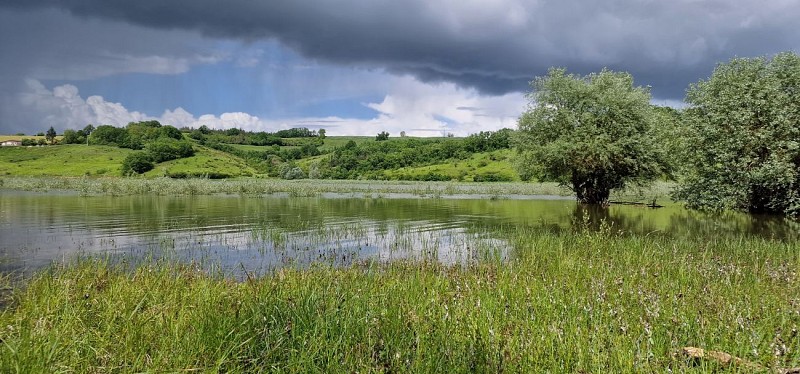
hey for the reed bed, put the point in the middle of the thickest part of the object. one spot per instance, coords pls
(305, 188)
(591, 301)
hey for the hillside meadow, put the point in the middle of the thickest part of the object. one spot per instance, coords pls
(75, 160)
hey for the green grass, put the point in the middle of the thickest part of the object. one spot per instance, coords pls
(479, 164)
(333, 142)
(580, 302)
(62, 160)
(247, 147)
(73, 160)
(206, 162)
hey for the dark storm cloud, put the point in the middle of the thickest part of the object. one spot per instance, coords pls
(495, 46)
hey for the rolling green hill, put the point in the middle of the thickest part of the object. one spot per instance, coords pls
(74, 160)
(481, 167)
(206, 163)
(62, 160)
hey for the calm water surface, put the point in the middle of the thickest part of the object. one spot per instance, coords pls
(258, 234)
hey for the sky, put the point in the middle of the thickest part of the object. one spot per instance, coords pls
(353, 67)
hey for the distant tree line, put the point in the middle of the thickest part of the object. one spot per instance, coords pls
(153, 142)
(261, 138)
(270, 160)
(370, 159)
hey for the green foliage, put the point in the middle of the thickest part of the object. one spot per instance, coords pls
(171, 132)
(205, 163)
(592, 134)
(51, 135)
(137, 163)
(580, 302)
(73, 137)
(107, 135)
(161, 143)
(670, 133)
(239, 136)
(198, 135)
(299, 132)
(491, 177)
(486, 141)
(165, 149)
(744, 137)
(290, 171)
(383, 135)
(372, 159)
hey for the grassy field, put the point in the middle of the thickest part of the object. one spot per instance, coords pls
(75, 160)
(333, 142)
(63, 160)
(497, 163)
(206, 162)
(20, 137)
(247, 147)
(580, 302)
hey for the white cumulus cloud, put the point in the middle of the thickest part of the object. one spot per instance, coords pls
(418, 109)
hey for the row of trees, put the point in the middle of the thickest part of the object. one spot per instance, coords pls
(258, 138)
(737, 145)
(154, 143)
(372, 158)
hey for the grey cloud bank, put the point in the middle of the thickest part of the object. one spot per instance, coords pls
(494, 46)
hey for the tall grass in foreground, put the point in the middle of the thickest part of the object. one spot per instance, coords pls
(588, 302)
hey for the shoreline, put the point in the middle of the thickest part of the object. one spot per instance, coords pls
(581, 302)
(119, 186)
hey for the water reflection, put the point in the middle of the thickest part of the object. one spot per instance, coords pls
(260, 233)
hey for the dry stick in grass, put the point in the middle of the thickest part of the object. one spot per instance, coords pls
(726, 360)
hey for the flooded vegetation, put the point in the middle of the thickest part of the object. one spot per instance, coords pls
(259, 234)
(388, 282)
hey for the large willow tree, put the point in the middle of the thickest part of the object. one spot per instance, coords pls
(590, 133)
(744, 137)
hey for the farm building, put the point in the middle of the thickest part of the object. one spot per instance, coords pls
(11, 143)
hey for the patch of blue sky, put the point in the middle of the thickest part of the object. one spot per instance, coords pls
(263, 79)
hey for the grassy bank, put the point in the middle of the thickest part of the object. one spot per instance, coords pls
(62, 160)
(588, 302)
(307, 187)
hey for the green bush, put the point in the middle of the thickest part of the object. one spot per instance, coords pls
(137, 163)
(289, 171)
(73, 137)
(108, 135)
(165, 149)
(492, 177)
(171, 132)
(744, 137)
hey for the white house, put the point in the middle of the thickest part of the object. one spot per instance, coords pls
(11, 143)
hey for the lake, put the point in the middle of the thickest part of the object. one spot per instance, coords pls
(238, 234)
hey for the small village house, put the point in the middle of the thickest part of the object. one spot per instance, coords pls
(11, 143)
